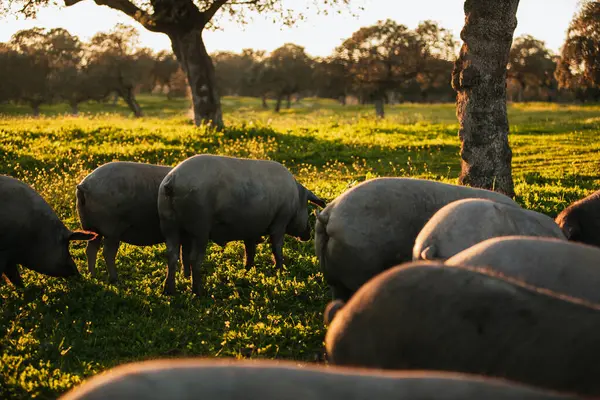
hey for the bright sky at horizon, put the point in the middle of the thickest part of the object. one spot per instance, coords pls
(319, 34)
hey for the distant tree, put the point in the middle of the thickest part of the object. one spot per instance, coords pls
(184, 22)
(178, 86)
(384, 57)
(31, 68)
(145, 62)
(579, 65)
(439, 50)
(288, 70)
(379, 58)
(531, 64)
(331, 79)
(433, 80)
(70, 77)
(479, 77)
(165, 66)
(119, 64)
(231, 70)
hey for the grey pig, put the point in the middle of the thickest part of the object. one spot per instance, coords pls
(225, 198)
(118, 201)
(431, 316)
(464, 223)
(561, 266)
(581, 220)
(32, 235)
(373, 226)
(187, 379)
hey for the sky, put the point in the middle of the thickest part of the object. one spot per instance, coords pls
(546, 20)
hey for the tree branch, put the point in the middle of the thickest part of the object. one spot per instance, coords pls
(212, 10)
(128, 8)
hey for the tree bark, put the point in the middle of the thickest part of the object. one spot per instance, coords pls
(479, 77)
(35, 107)
(115, 99)
(74, 108)
(278, 103)
(289, 101)
(264, 102)
(129, 97)
(189, 49)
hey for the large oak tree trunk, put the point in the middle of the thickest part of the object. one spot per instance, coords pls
(278, 103)
(189, 49)
(479, 77)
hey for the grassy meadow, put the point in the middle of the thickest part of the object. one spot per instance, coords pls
(57, 332)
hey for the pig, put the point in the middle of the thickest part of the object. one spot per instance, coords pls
(206, 379)
(373, 226)
(219, 198)
(464, 223)
(431, 316)
(581, 220)
(32, 235)
(118, 201)
(561, 266)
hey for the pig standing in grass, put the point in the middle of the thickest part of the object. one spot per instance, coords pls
(268, 380)
(581, 220)
(464, 223)
(558, 265)
(118, 201)
(373, 226)
(224, 199)
(32, 235)
(431, 316)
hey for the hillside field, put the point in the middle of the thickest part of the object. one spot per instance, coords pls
(57, 332)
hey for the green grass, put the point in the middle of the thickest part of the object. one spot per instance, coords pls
(57, 332)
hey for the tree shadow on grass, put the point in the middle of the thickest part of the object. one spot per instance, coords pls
(292, 149)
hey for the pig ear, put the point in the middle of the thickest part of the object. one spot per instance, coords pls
(311, 197)
(82, 235)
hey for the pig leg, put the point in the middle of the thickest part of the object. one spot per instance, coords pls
(339, 292)
(185, 255)
(277, 249)
(12, 274)
(173, 249)
(91, 252)
(111, 247)
(197, 258)
(250, 246)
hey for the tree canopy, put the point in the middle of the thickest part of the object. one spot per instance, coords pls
(579, 65)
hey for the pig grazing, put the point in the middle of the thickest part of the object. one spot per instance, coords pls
(224, 199)
(373, 226)
(581, 220)
(267, 380)
(430, 316)
(32, 235)
(565, 267)
(464, 223)
(118, 201)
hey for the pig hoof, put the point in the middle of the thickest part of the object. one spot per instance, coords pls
(168, 292)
